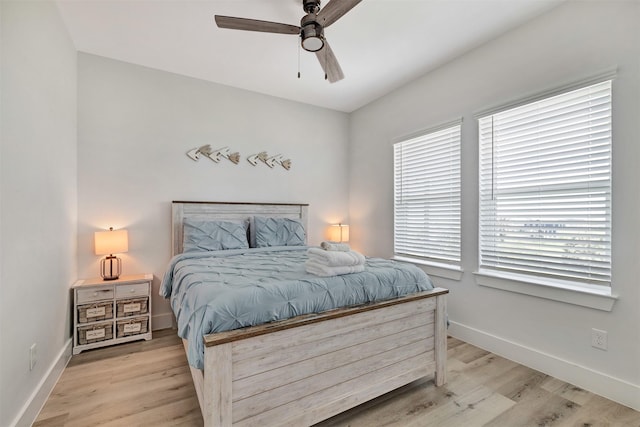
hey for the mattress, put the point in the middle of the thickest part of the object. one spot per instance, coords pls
(215, 291)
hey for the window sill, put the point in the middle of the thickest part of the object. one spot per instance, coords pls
(596, 297)
(446, 271)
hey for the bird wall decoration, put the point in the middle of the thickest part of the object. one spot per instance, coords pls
(269, 161)
(253, 159)
(214, 155)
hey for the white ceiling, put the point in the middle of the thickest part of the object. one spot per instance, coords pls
(380, 44)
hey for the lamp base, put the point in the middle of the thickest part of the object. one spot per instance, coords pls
(110, 268)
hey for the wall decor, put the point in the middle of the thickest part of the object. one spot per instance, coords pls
(286, 163)
(269, 161)
(253, 159)
(214, 155)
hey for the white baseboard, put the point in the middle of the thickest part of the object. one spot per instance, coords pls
(162, 321)
(29, 412)
(612, 388)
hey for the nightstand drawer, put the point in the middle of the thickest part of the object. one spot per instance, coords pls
(96, 294)
(132, 307)
(95, 312)
(135, 326)
(134, 290)
(95, 333)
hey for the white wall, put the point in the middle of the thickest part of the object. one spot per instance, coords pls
(574, 41)
(39, 198)
(135, 126)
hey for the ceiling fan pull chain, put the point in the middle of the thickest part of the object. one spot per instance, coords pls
(326, 64)
(298, 43)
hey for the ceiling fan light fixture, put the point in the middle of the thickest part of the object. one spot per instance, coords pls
(312, 36)
(312, 44)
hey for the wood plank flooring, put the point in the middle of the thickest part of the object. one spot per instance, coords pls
(148, 383)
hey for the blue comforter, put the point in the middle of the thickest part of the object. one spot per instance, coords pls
(223, 290)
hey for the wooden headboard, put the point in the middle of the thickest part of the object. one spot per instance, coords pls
(229, 211)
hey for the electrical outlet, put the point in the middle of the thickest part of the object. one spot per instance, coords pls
(599, 339)
(33, 356)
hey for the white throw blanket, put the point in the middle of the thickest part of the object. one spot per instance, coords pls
(330, 246)
(335, 258)
(325, 271)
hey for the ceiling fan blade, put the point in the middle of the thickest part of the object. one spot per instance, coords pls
(329, 63)
(233, 23)
(334, 10)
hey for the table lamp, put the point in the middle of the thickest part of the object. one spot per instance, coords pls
(339, 233)
(109, 243)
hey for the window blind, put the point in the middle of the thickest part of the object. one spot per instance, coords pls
(545, 187)
(427, 196)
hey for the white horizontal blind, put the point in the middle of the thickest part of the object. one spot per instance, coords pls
(545, 187)
(427, 196)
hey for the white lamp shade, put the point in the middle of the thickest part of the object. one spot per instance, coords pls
(111, 242)
(339, 233)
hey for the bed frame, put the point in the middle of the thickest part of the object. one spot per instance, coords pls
(300, 371)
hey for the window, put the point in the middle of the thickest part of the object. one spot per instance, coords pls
(427, 196)
(545, 187)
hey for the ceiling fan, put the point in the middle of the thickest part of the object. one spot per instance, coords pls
(311, 30)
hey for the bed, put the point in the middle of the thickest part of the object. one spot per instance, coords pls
(307, 367)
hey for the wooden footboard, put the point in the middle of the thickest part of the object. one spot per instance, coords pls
(306, 369)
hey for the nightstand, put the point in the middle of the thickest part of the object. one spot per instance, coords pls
(111, 312)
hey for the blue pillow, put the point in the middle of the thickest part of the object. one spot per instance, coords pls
(201, 235)
(278, 232)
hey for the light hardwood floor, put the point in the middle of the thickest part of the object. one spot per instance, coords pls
(148, 384)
